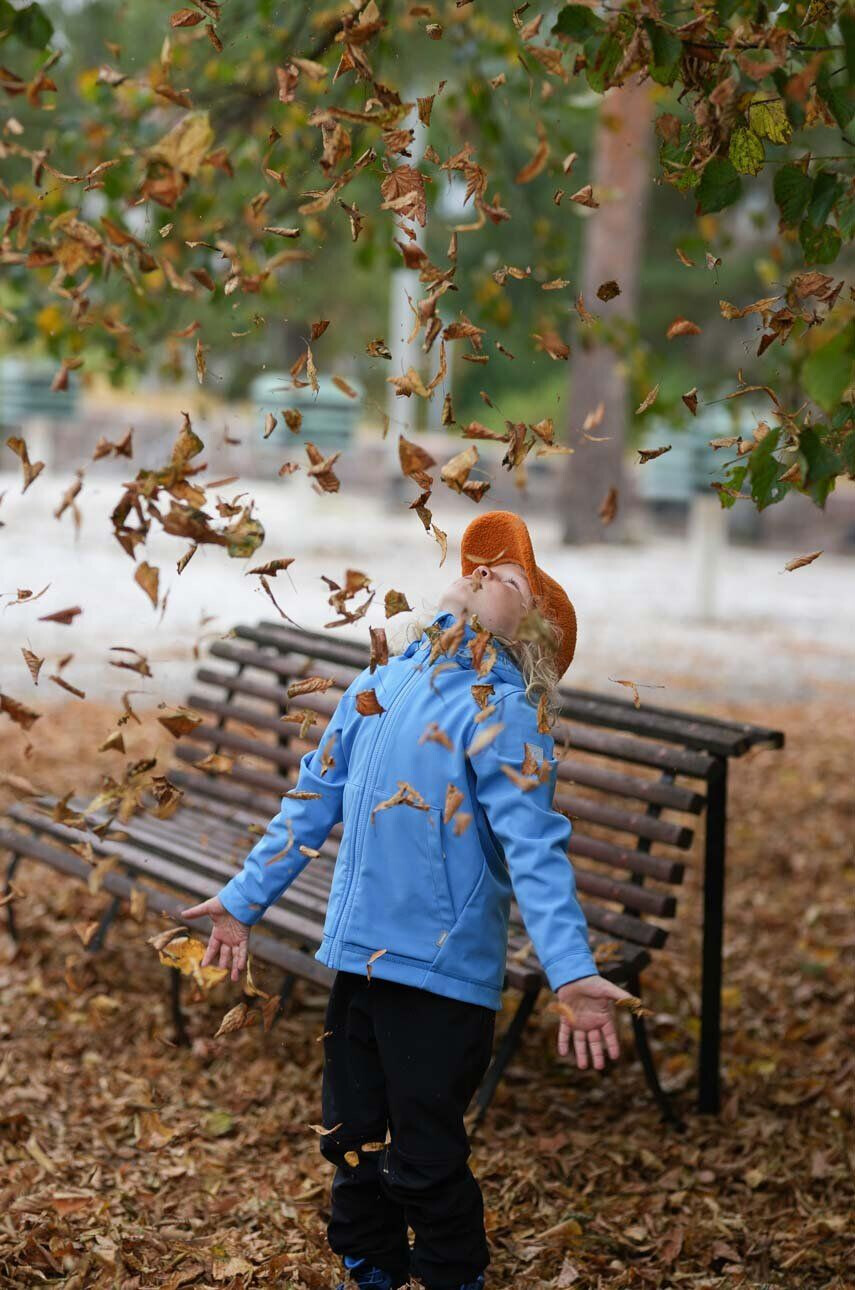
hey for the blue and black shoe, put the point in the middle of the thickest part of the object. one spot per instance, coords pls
(363, 1273)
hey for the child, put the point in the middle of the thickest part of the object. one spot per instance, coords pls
(444, 780)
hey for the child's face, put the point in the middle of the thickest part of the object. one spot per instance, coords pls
(499, 594)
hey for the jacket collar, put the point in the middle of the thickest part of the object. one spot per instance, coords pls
(504, 666)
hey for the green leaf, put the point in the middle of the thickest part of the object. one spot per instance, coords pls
(820, 245)
(215, 1124)
(746, 151)
(603, 57)
(764, 469)
(791, 187)
(846, 216)
(687, 179)
(846, 412)
(846, 22)
(836, 94)
(245, 537)
(726, 8)
(733, 479)
(720, 186)
(667, 52)
(578, 22)
(826, 189)
(32, 26)
(767, 116)
(829, 371)
(822, 463)
(843, 422)
(795, 110)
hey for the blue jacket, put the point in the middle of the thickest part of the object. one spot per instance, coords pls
(434, 895)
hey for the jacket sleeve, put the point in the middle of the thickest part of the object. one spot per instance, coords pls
(276, 860)
(534, 838)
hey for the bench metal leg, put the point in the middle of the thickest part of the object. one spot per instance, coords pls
(10, 916)
(182, 1037)
(709, 1057)
(645, 1056)
(507, 1047)
(286, 992)
(106, 919)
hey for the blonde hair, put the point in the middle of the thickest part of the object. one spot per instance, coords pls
(535, 658)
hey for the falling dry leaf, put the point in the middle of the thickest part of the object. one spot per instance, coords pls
(648, 400)
(801, 560)
(682, 327)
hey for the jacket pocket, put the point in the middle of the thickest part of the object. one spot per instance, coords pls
(439, 864)
(400, 897)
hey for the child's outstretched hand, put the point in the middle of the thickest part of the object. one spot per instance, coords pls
(589, 1012)
(229, 937)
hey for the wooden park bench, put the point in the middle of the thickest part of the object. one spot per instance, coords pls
(622, 772)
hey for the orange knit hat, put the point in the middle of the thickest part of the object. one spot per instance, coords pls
(497, 537)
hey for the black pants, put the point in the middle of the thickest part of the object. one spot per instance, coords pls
(410, 1060)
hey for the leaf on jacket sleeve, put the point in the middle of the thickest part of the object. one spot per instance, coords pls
(523, 782)
(367, 703)
(374, 956)
(481, 694)
(279, 854)
(485, 737)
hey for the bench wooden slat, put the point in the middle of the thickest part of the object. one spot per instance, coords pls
(290, 667)
(214, 788)
(677, 797)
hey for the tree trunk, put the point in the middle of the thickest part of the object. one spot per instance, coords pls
(612, 250)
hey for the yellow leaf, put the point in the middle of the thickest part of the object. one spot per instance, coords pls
(767, 117)
(187, 144)
(186, 954)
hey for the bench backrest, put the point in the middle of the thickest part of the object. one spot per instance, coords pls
(617, 777)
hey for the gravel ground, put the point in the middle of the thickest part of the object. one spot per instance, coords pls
(775, 636)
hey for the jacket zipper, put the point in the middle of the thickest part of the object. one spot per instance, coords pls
(380, 741)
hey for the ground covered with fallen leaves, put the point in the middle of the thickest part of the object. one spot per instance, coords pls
(127, 1161)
